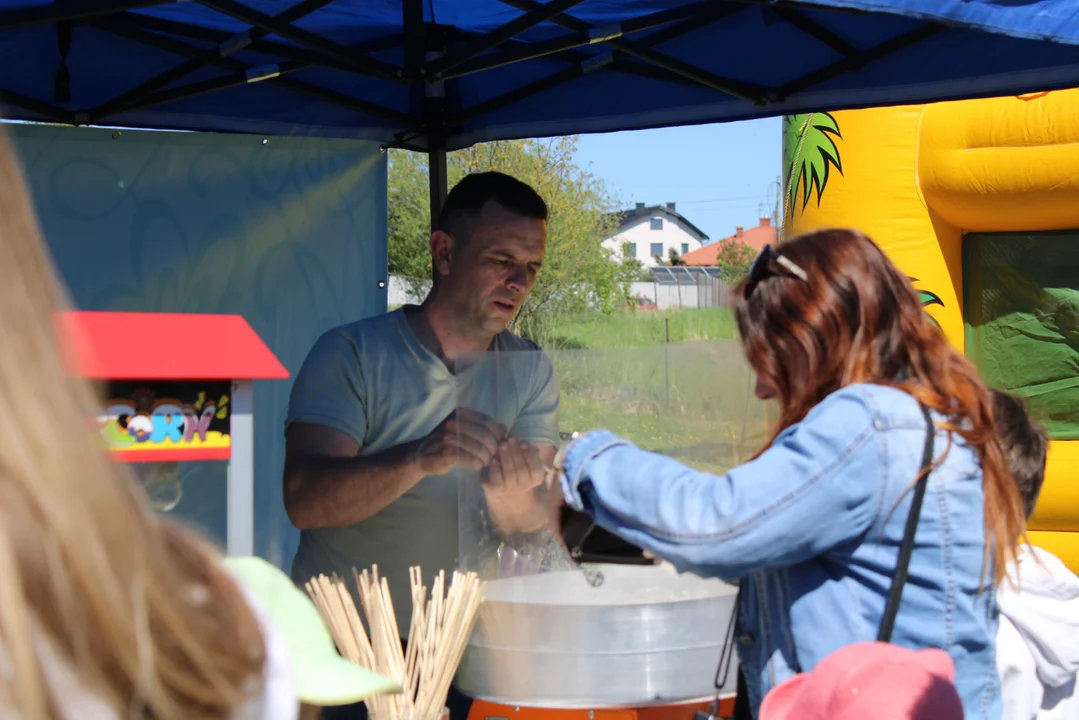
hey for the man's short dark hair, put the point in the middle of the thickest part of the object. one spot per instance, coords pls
(1025, 443)
(468, 197)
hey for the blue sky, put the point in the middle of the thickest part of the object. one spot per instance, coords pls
(720, 175)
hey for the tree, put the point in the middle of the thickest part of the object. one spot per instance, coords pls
(409, 216)
(675, 260)
(578, 273)
(734, 258)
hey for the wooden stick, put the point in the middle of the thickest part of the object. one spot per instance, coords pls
(449, 628)
(396, 656)
(363, 644)
(459, 644)
(469, 595)
(340, 599)
(333, 616)
(370, 609)
(424, 642)
(440, 627)
(415, 639)
(434, 630)
(460, 612)
(385, 706)
(430, 642)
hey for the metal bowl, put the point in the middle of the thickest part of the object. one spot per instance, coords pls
(646, 636)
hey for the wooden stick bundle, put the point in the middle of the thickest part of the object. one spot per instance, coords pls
(438, 635)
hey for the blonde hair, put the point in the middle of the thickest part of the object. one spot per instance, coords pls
(137, 607)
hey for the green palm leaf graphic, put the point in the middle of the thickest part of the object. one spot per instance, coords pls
(927, 298)
(810, 151)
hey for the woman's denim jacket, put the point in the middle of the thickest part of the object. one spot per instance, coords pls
(811, 529)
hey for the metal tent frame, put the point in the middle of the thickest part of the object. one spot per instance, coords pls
(557, 42)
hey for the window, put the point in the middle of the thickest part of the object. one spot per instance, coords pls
(657, 250)
(630, 250)
(657, 223)
(1021, 303)
(685, 248)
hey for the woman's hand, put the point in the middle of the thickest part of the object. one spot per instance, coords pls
(510, 484)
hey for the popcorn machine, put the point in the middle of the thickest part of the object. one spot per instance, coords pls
(178, 388)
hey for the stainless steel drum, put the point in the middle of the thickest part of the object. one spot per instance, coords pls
(646, 636)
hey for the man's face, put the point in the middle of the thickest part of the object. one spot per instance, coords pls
(488, 279)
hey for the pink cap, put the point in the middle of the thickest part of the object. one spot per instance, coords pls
(870, 680)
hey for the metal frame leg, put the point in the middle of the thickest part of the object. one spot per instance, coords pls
(240, 532)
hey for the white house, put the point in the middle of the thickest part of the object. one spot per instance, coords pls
(651, 232)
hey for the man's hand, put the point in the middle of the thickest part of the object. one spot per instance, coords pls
(465, 437)
(511, 486)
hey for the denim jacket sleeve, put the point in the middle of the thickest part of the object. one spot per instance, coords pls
(816, 487)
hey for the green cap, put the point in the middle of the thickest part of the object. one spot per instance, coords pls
(322, 676)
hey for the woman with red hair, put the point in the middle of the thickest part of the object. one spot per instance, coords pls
(885, 466)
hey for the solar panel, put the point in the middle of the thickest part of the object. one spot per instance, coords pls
(663, 276)
(681, 275)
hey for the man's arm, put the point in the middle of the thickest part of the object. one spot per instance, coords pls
(327, 485)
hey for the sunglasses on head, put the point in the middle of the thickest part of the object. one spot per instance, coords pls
(770, 263)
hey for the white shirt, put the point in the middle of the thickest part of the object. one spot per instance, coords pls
(1038, 639)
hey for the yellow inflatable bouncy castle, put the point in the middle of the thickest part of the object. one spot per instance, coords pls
(978, 202)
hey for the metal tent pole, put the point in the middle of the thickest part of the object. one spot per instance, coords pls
(434, 104)
(424, 46)
(437, 170)
(240, 531)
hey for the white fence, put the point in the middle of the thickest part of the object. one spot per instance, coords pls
(698, 292)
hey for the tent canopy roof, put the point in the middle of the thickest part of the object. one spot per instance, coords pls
(449, 73)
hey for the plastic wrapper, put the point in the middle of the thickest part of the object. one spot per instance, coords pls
(506, 510)
(691, 401)
(644, 634)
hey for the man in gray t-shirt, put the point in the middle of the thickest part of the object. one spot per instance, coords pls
(390, 415)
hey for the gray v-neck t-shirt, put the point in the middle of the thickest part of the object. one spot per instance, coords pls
(376, 382)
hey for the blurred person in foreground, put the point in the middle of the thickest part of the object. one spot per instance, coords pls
(1038, 639)
(109, 611)
(812, 526)
(390, 416)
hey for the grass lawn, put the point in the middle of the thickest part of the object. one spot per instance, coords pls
(690, 399)
(642, 328)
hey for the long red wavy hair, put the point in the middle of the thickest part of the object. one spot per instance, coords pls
(857, 319)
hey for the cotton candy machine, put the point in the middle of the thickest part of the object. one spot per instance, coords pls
(645, 636)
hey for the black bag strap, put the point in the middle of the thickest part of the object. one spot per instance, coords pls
(906, 549)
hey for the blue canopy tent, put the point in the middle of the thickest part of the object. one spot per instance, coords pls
(437, 75)
(432, 75)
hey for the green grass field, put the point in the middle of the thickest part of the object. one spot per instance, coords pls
(639, 329)
(690, 399)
